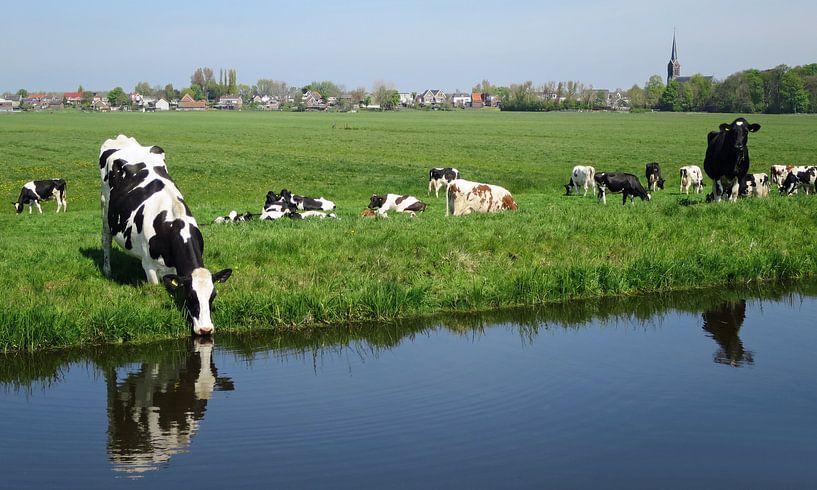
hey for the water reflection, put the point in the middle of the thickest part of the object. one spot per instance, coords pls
(155, 408)
(723, 324)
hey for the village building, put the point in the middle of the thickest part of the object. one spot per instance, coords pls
(188, 103)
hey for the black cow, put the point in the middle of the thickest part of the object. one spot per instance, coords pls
(439, 177)
(41, 190)
(654, 178)
(727, 157)
(616, 182)
(805, 179)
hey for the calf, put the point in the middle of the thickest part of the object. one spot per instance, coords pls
(466, 197)
(233, 217)
(616, 182)
(302, 203)
(41, 190)
(582, 176)
(396, 202)
(691, 175)
(797, 179)
(439, 177)
(778, 174)
(754, 185)
(654, 179)
(145, 213)
(727, 156)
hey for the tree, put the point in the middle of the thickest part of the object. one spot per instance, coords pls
(793, 93)
(382, 94)
(143, 88)
(170, 93)
(669, 100)
(637, 97)
(358, 95)
(22, 93)
(653, 90)
(118, 98)
(697, 93)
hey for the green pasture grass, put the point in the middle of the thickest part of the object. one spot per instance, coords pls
(291, 274)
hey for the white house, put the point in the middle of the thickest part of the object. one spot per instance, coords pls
(162, 105)
(406, 99)
(461, 100)
(431, 97)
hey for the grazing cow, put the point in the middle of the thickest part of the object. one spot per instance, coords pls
(439, 177)
(41, 190)
(302, 203)
(691, 175)
(799, 179)
(582, 176)
(396, 202)
(727, 156)
(654, 179)
(466, 197)
(754, 185)
(144, 211)
(616, 182)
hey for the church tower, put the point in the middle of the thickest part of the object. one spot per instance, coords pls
(674, 66)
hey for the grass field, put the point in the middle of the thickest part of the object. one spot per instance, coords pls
(297, 274)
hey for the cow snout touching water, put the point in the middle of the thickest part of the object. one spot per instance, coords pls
(145, 213)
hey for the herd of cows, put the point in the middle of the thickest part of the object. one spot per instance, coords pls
(145, 213)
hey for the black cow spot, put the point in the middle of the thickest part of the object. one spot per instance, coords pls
(103, 158)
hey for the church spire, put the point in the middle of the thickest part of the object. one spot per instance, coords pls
(674, 66)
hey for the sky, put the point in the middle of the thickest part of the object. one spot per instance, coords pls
(414, 45)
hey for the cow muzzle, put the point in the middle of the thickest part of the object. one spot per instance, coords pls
(203, 330)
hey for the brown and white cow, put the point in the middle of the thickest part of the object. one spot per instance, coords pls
(465, 197)
(691, 175)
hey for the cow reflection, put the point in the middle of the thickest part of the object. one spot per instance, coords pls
(154, 409)
(723, 323)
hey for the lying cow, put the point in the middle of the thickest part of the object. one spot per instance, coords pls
(302, 203)
(276, 207)
(754, 185)
(440, 177)
(727, 157)
(615, 182)
(396, 202)
(582, 176)
(465, 197)
(41, 190)
(233, 217)
(805, 179)
(654, 179)
(144, 211)
(691, 175)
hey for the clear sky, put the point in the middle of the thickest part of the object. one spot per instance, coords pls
(56, 45)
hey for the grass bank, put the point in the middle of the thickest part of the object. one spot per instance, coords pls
(304, 274)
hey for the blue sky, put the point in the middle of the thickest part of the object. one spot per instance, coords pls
(414, 45)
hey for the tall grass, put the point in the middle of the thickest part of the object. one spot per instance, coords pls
(303, 274)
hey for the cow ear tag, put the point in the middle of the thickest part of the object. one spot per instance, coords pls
(174, 283)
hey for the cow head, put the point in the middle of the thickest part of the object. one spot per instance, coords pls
(199, 292)
(737, 133)
(660, 183)
(18, 206)
(377, 201)
(568, 187)
(271, 198)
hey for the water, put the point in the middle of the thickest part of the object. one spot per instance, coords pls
(697, 390)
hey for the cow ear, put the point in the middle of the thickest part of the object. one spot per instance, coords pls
(725, 127)
(222, 275)
(754, 128)
(172, 281)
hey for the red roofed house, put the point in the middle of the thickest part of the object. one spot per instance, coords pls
(476, 100)
(73, 98)
(188, 103)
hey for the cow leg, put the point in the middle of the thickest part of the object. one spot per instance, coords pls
(106, 250)
(151, 272)
(39, 208)
(735, 189)
(430, 185)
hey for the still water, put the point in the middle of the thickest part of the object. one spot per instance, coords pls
(698, 390)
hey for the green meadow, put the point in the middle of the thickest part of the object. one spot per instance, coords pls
(294, 275)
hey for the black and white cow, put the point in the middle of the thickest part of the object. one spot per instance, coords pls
(805, 179)
(582, 176)
(727, 157)
(144, 211)
(654, 179)
(41, 190)
(302, 203)
(691, 175)
(233, 217)
(440, 177)
(276, 207)
(396, 202)
(754, 185)
(615, 182)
